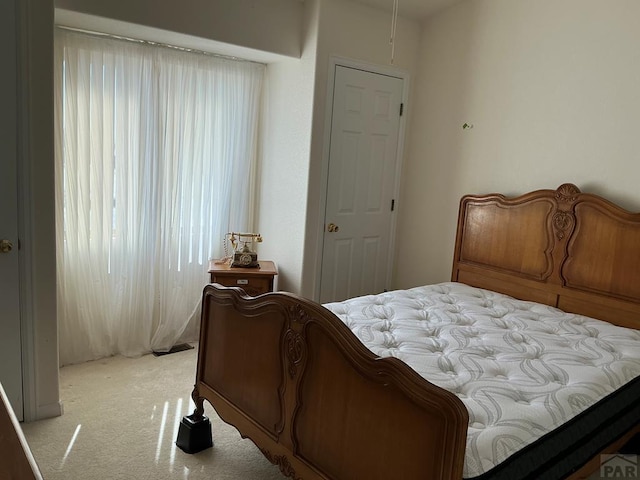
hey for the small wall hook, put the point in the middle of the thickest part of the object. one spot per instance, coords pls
(467, 126)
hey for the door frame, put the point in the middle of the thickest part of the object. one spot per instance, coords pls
(337, 61)
(24, 13)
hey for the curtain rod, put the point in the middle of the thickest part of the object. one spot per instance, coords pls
(92, 33)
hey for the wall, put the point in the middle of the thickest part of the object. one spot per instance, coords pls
(284, 168)
(267, 25)
(354, 31)
(37, 215)
(551, 89)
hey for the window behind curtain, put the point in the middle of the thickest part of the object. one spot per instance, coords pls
(155, 153)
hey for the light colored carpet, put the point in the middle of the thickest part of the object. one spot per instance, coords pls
(120, 421)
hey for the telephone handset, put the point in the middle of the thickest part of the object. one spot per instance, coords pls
(244, 253)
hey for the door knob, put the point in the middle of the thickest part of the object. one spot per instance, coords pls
(5, 246)
(332, 227)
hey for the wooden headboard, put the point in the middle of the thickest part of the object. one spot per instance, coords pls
(576, 251)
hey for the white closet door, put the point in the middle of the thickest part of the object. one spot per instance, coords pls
(360, 189)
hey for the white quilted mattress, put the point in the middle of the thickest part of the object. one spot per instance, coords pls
(520, 368)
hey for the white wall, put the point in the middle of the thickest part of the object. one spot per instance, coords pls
(354, 31)
(551, 88)
(284, 169)
(267, 25)
(37, 214)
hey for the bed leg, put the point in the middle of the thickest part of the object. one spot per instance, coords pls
(194, 434)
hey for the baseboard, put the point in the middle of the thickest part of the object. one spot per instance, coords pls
(49, 411)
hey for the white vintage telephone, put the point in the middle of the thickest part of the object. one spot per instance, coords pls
(244, 250)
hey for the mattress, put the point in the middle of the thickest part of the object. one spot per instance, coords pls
(525, 371)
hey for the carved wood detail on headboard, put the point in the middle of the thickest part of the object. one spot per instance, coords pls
(562, 247)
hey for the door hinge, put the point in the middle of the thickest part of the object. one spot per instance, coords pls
(393, 204)
(401, 109)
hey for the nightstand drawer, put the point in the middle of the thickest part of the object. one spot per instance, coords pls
(254, 281)
(252, 285)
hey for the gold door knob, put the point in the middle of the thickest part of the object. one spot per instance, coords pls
(5, 246)
(332, 227)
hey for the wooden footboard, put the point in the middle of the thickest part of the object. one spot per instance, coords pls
(292, 377)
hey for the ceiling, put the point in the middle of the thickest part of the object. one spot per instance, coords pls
(414, 9)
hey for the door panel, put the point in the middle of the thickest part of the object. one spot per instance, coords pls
(342, 266)
(361, 180)
(370, 253)
(10, 341)
(347, 174)
(376, 175)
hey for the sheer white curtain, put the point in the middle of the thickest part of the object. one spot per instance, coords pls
(155, 154)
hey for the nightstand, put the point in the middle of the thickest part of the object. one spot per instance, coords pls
(254, 281)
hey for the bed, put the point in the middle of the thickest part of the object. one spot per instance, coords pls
(297, 379)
